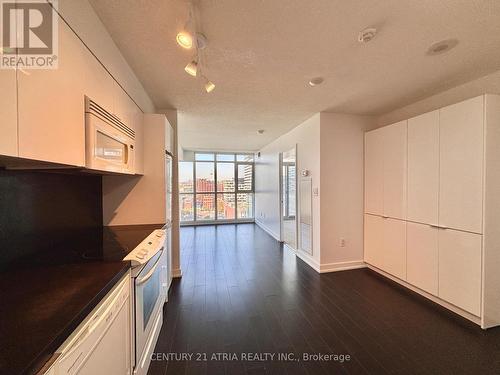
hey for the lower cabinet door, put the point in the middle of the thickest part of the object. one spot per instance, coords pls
(460, 269)
(422, 256)
(373, 240)
(394, 247)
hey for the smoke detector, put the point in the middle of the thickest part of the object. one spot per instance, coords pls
(367, 35)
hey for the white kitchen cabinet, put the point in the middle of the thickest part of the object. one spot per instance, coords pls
(385, 171)
(461, 165)
(394, 247)
(395, 169)
(460, 269)
(422, 256)
(385, 244)
(374, 231)
(8, 112)
(374, 172)
(123, 107)
(51, 106)
(453, 205)
(423, 168)
(99, 85)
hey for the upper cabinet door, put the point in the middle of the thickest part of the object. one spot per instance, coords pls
(99, 85)
(423, 168)
(51, 106)
(374, 172)
(395, 169)
(8, 113)
(461, 165)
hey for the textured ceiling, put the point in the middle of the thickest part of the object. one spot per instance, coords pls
(262, 53)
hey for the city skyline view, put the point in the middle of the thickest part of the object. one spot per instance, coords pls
(221, 190)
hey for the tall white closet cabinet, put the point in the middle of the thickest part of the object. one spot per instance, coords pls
(432, 206)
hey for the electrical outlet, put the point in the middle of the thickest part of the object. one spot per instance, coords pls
(342, 242)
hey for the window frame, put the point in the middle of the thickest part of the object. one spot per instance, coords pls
(216, 191)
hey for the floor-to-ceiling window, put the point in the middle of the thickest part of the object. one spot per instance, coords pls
(216, 187)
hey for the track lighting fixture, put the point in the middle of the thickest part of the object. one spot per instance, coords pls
(209, 86)
(185, 40)
(189, 38)
(192, 68)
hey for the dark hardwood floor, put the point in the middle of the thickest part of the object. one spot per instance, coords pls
(241, 293)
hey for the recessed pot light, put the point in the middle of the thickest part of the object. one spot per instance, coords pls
(442, 47)
(316, 81)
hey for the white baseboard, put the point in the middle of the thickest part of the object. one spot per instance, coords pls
(341, 266)
(429, 296)
(330, 267)
(309, 260)
(176, 273)
(267, 230)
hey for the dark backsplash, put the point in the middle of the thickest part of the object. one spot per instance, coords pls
(44, 214)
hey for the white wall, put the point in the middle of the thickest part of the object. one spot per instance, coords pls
(82, 18)
(342, 163)
(331, 147)
(131, 200)
(489, 84)
(307, 138)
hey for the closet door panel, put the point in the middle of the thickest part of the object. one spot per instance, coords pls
(460, 269)
(422, 256)
(423, 168)
(373, 240)
(394, 247)
(461, 165)
(374, 172)
(395, 169)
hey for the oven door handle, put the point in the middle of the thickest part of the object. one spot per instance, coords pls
(147, 276)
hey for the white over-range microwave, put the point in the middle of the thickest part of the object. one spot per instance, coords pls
(110, 143)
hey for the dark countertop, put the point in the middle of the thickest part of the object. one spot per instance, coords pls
(44, 298)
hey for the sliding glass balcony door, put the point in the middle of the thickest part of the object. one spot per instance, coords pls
(216, 187)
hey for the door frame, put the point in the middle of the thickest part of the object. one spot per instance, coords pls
(281, 198)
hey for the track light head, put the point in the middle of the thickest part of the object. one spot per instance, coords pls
(185, 39)
(192, 68)
(209, 86)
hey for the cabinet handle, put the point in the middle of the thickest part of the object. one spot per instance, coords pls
(437, 226)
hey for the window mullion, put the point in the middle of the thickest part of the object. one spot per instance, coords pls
(216, 182)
